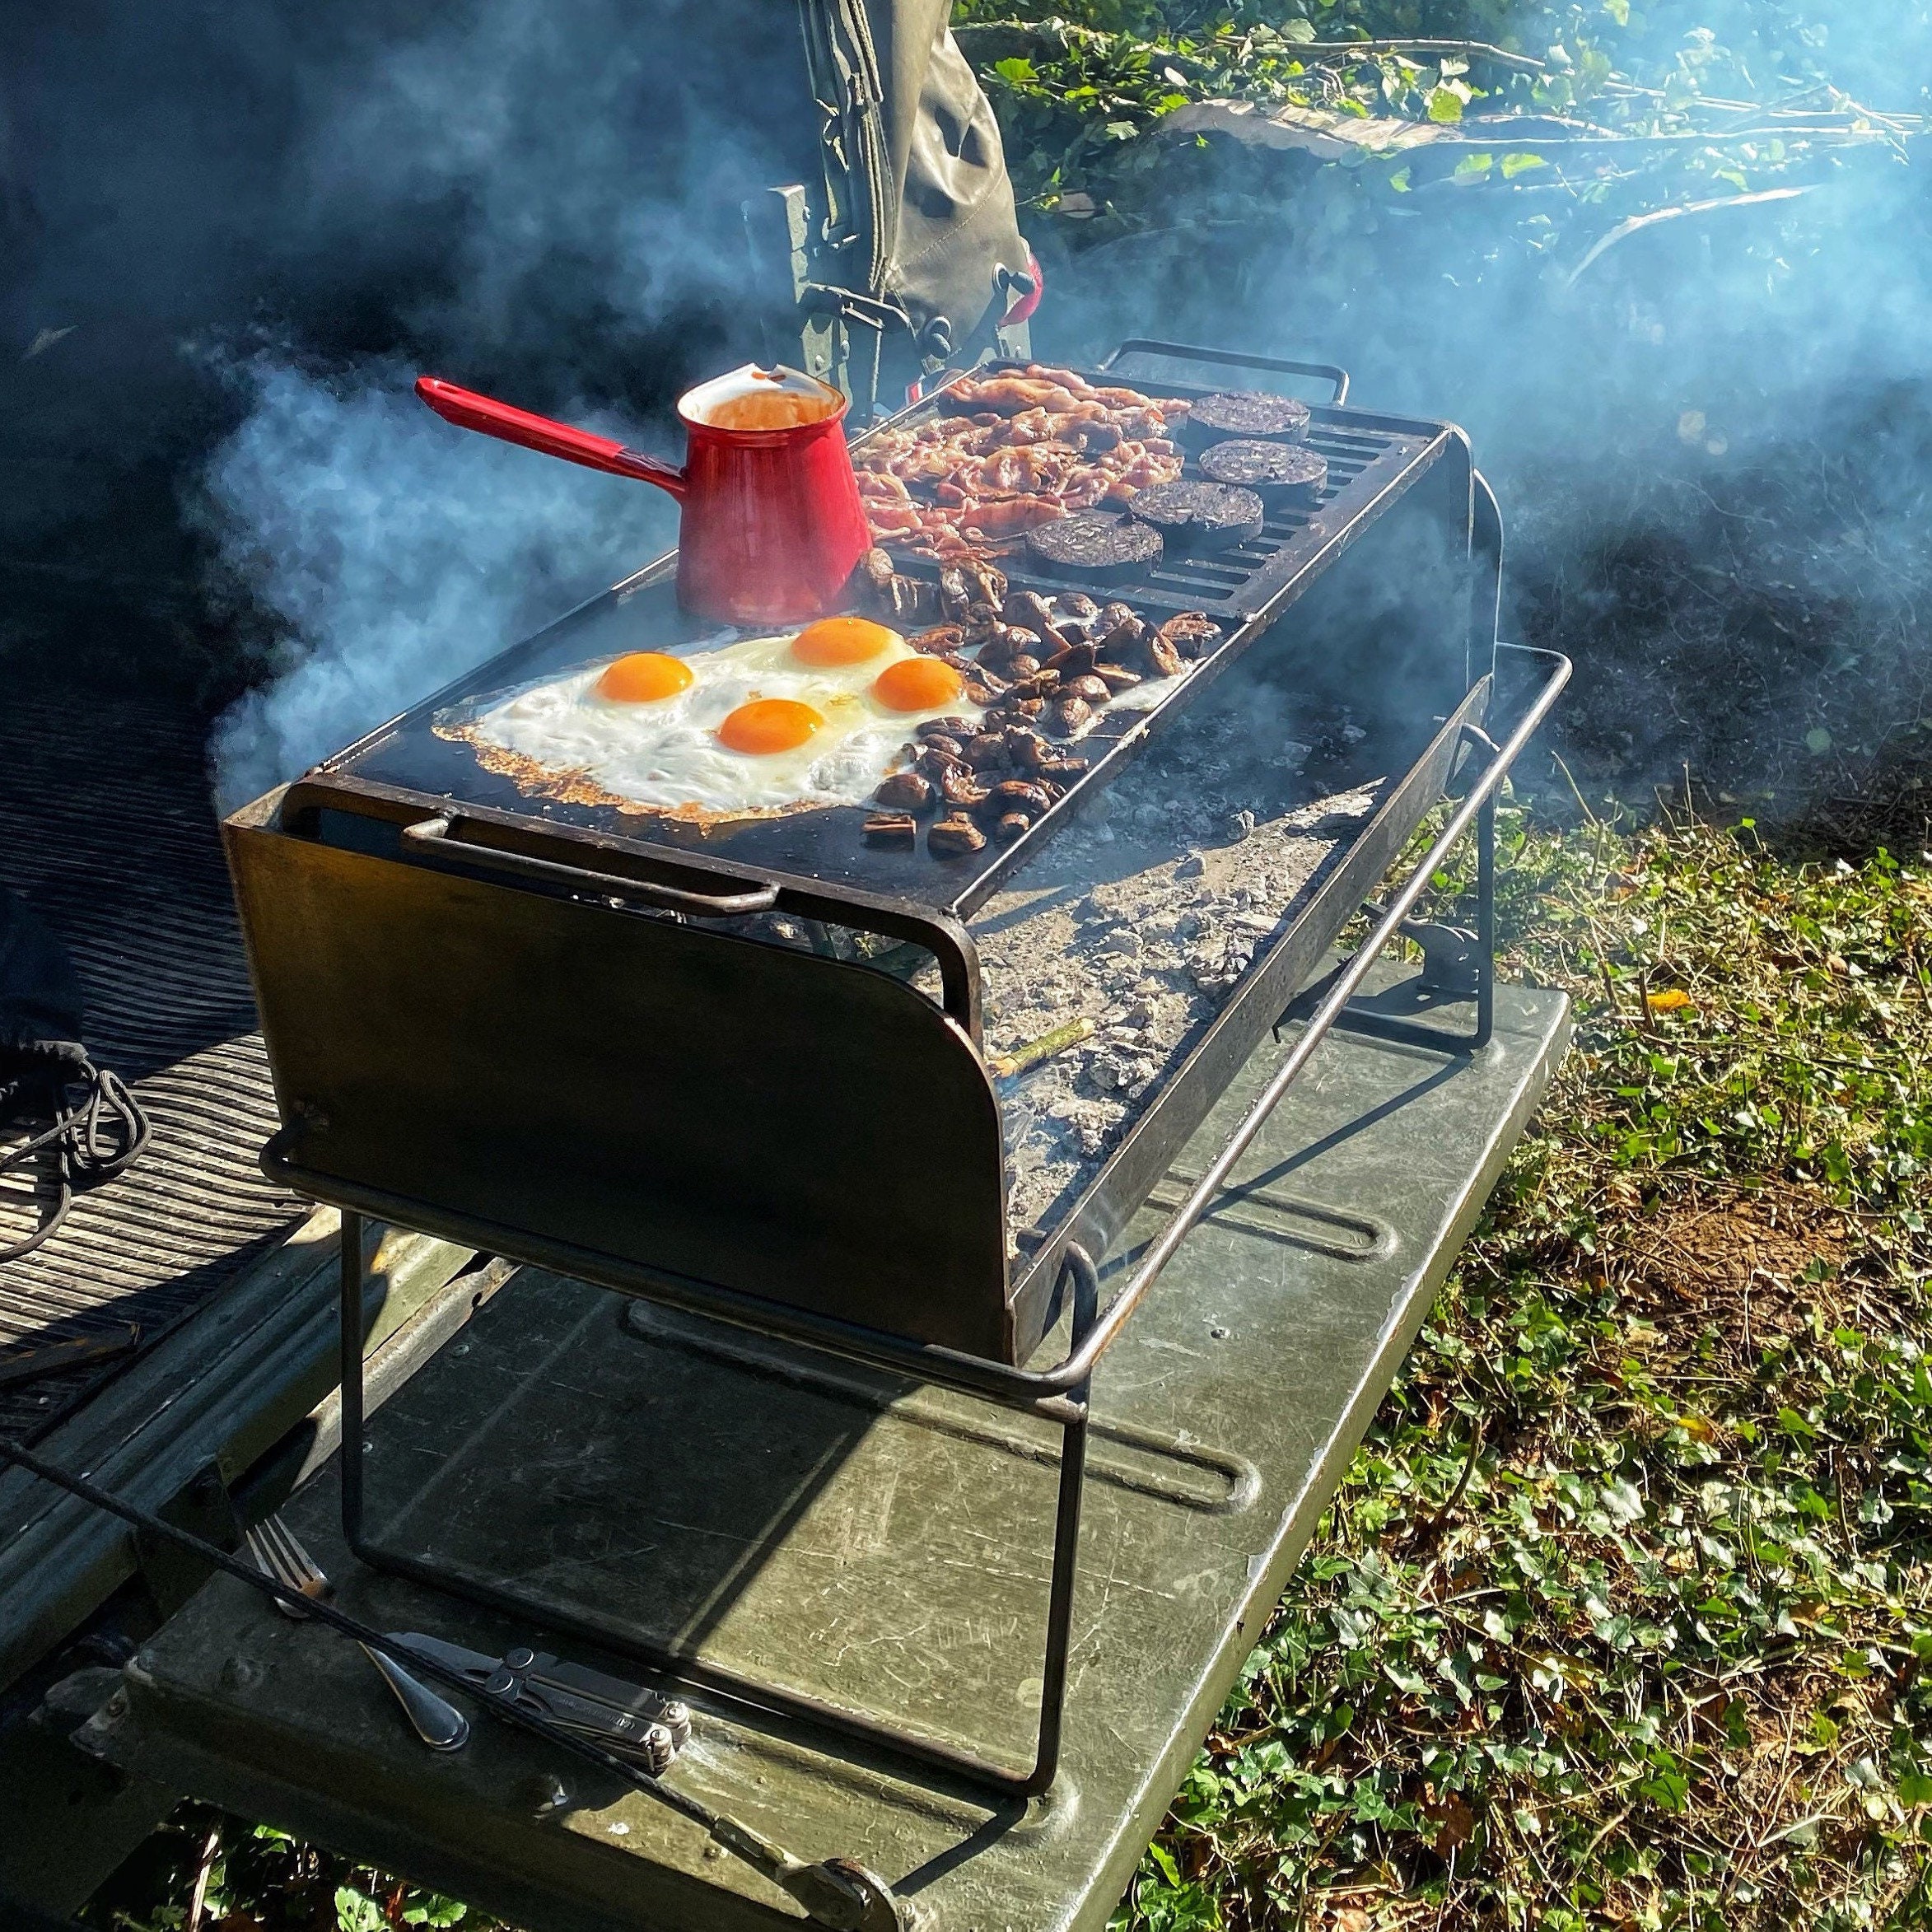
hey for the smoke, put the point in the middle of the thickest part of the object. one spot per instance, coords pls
(586, 191)
(1711, 433)
(397, 552)
(537, 198)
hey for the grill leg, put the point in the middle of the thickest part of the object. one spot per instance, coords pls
(1071, 1413)
(351, 1365)
(1486, 923)
(1410, 1032)
(1073, 1470)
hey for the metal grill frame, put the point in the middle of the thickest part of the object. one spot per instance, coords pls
(1059, 1395)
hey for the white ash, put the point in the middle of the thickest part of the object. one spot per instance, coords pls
(1143, 915)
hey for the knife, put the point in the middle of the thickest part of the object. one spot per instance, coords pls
(626, 1719)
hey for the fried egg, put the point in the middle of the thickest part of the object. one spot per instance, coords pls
(769, 724)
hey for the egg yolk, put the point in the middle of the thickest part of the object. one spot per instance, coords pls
(841, 640)
(917, 684)
(645, 677)
(767, 725)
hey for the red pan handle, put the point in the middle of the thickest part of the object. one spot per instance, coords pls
(468, 410)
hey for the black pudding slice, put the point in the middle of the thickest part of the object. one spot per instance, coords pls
(1200, 515)
(1247, 413)
(1287, 472)
(1096, 546)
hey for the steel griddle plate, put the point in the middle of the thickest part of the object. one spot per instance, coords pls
(1372, 459)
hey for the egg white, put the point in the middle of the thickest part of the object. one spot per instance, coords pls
(666, 755)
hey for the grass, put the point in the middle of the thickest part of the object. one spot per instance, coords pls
(1619, 1617)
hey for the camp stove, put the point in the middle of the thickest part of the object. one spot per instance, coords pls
(750, 1074)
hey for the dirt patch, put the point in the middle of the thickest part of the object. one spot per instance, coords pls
(1753, 1267)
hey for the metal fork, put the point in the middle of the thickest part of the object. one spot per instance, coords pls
(278, 1553)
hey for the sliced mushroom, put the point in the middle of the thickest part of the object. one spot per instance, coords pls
(1080, 604)
(1161, 654)
(1012, 825)
(1124, 641)
(987, 749)
(987, 581)
(955, 838)
(891, 828)
(955, 594)
(1064, 716)
(1192, 634)
(940, 756)
(1094, 690)
(939, 640)
(958, 787)
(1027, 749)
(905, 791)
(1020, 794)
(1117, 676)
(1027, 610)
(1074, 662)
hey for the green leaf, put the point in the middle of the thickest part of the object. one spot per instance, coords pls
(1445, 106)
(1474, 166)
(1915, 1788)
(1301, 31)
(1619, 10)
(1521, 164)
(357, 1911)
(1017, 69)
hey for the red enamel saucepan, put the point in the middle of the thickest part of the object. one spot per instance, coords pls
(771, 525)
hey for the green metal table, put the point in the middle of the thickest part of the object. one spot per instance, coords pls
(881, 1545)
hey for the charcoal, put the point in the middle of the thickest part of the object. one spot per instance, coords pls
(1096, 545)
(1280, 473)
(1200, 515)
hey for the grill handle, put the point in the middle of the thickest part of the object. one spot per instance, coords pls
(1180, 352)
(437, 836)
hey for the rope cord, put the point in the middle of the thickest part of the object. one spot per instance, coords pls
(96, 1128)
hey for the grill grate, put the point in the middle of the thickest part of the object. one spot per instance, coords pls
(1366, 456)
(1374, 459)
